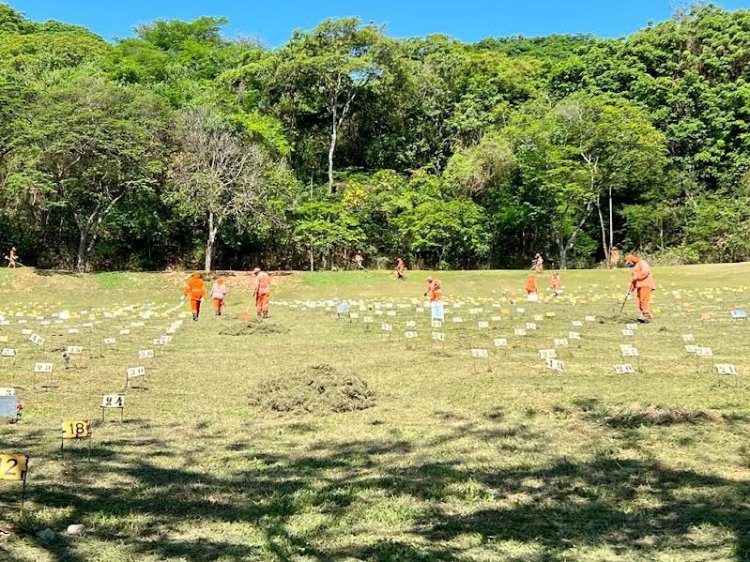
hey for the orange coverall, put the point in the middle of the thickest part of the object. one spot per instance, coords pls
(531, 286)
(400, 268)
(642, 281)
(262, 293)
(555, 283)
(218, 292)
(435, 290)
(195, 291)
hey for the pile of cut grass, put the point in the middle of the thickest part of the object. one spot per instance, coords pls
(253, 327)
(317, 389)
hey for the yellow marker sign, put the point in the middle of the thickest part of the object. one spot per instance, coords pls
(76, 429)
(13, 467)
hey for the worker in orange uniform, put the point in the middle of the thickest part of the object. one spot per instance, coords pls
(641, 281)
(531, 287)
(434, 290)
(555, 283)
(262, 292)
(218, 291)
(400, 269)
(195, 291)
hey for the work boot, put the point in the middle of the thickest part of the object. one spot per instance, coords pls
(644, 320)
(195, 317)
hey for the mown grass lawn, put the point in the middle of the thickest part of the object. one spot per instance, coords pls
(456, 459)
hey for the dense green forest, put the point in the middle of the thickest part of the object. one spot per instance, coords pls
(177, 147)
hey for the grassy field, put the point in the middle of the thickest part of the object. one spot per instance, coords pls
(450, 459)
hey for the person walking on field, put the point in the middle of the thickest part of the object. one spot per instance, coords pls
(532, 288)
(358, 259)
(218, 291)
(262, 292)
(195, 291)
(12, 257)
(434, 290)
(555, 283)
(400, 269)
(641, 281)
(538, 263)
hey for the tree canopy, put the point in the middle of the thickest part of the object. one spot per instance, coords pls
(180, 147)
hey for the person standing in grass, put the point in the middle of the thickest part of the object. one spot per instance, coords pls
(531, 287)
(12, 257)
(641, 281)
(358, 259)
(434, 290)
(218, 291)
(195, 291)
(262, 292)
(538, 263)
(400, 269)
(555, 283)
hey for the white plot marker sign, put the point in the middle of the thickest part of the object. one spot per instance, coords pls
(555, 365)
(624, 369)
(136, 372)
(726, 369)
(36, 339)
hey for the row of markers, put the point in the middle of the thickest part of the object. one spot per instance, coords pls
(15, 466)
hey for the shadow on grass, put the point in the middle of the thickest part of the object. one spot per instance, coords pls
(628, 506)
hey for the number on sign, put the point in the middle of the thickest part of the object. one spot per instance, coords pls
(13, 467)
(36, 339)
(146, 354)
(134, 372)
(625, 369)
(43, 367)
(555, 365)
(726, 369)
(76, 429)
(548, 353)
(113, 401)
(480, 353)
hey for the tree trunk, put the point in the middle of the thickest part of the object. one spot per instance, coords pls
(604, 232)
(212, 230)
(611, 223)
(565, 247)
(332, 150)
(83, 246)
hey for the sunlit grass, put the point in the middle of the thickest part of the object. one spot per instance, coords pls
(498, 460)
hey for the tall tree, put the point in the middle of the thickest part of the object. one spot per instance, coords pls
(83, 145)
(324, 71)
(217, 176)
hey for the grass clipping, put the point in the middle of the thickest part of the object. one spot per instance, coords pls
(252, 327)
(318, 389)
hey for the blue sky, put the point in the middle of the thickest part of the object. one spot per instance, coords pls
(273, 21)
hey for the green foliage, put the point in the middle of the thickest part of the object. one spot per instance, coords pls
(449, 153)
